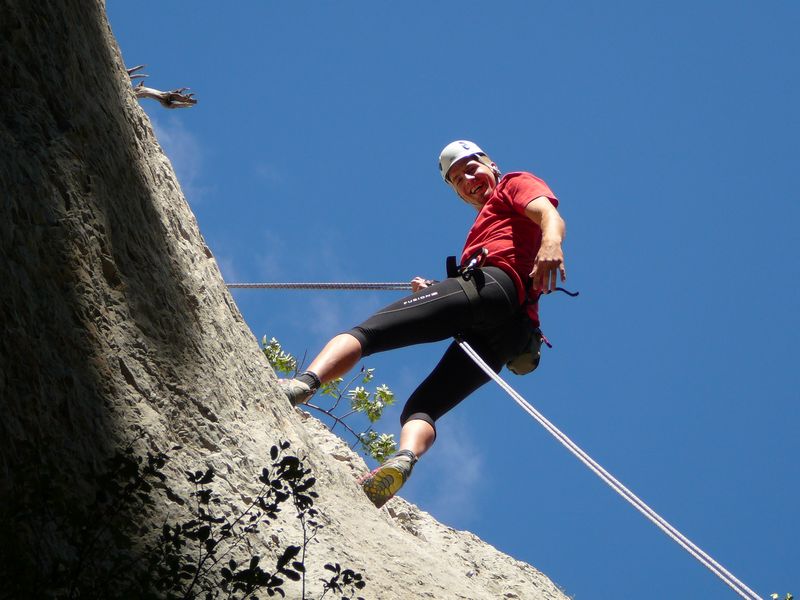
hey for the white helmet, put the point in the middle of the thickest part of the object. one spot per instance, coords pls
(455, 151)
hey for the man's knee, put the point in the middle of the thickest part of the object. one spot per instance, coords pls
(418, 416)
(361, 337)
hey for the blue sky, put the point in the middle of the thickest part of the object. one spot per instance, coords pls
(668, 131)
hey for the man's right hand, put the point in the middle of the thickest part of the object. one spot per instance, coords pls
(420, 283)
(547, 266)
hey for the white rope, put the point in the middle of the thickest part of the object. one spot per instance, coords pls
(720, 571)
(323, 286)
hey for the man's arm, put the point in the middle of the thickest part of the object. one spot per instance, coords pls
(550, 259)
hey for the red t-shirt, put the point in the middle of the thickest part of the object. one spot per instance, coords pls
(511, 237)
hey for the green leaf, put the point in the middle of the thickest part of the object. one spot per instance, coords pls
(281, 362)
(332, 388)
(367, 375)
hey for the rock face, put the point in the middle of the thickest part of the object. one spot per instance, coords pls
(118, 330)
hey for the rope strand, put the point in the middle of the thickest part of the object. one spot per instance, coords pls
(706, 560)
(322, 286)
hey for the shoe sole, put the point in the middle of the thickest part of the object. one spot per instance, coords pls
(382, 484)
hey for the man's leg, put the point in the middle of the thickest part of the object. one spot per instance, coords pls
(337, 357)
(417, 436)
(434, 313)
(453, 379)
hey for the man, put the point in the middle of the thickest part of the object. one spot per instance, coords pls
(512, 255)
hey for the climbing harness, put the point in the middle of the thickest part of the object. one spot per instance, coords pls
(475, 261)
(465, 278)
(720, 571)
(528, 359)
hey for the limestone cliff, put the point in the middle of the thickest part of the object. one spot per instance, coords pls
(117, 327)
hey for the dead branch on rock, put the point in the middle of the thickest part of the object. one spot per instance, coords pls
(172, 99)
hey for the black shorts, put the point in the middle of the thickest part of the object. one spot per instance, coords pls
(498, 329)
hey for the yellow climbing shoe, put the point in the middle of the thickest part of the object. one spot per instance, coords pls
(385, 481)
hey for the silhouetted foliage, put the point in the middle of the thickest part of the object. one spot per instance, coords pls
(116, 555)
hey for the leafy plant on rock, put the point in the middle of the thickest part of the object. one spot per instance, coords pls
(361, 400)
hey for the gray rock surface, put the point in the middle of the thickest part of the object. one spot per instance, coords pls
(117, 326)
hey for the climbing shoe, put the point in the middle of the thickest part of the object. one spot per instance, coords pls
(301, 388)
(385, 481)
(296, 391)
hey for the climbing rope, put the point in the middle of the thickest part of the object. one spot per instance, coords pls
(720, 571)
(323, 286)
(390, 286)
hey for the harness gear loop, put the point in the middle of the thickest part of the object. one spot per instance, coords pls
(474, 262)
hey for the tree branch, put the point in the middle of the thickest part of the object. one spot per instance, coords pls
(173, 99)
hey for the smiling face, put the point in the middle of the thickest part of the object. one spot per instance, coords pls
(473, 180)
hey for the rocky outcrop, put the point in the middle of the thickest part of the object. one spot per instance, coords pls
(118, 330)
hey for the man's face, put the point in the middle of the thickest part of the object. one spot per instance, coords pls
(472, 180)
